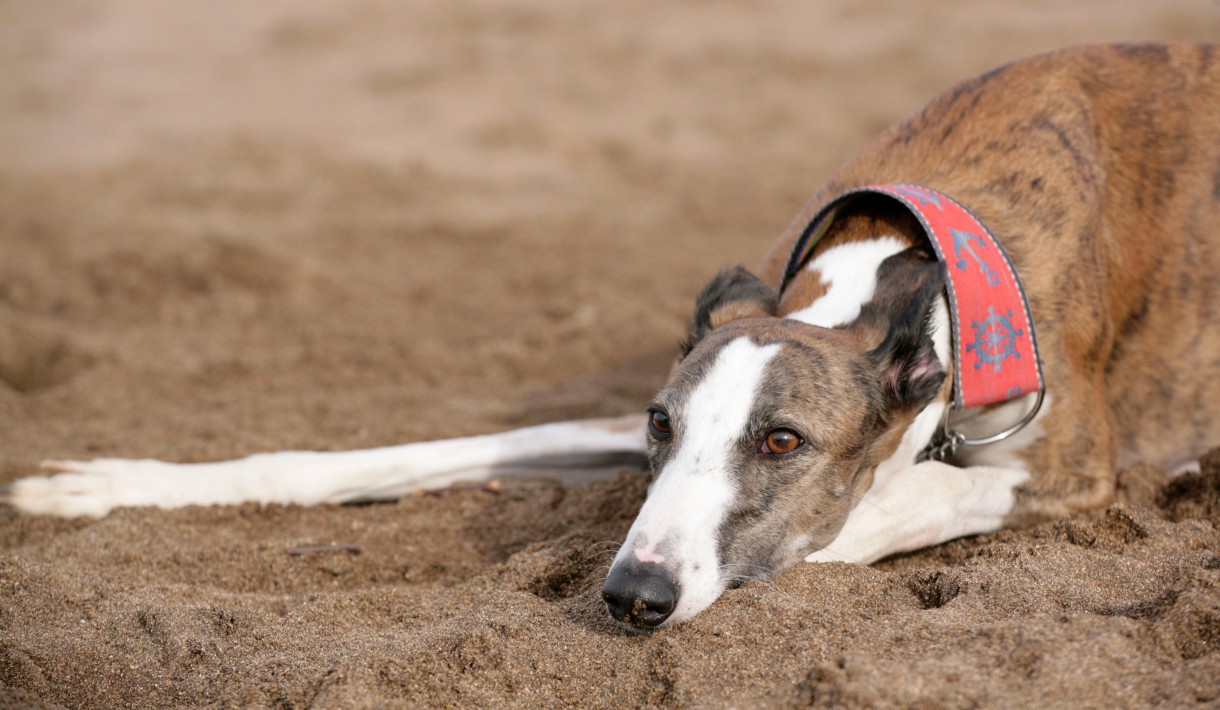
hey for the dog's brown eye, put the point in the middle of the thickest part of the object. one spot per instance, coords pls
(658, 423)
(781, 441)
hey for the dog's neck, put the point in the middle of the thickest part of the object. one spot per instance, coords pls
(880, 223)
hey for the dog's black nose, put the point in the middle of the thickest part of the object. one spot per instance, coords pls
(642, 595)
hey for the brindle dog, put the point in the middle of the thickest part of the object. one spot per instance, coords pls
(791, 427)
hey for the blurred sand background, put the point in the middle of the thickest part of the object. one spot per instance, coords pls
(232, 227)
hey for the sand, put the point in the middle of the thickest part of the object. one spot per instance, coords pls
(239, 227)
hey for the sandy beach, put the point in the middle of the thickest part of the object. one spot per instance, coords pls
(232, 227)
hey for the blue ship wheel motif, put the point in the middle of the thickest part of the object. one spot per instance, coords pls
(995, 339)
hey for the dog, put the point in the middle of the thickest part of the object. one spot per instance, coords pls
(805, 418)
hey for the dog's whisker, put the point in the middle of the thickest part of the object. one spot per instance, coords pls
(864, 499)
(847, 557)
(732, 567)
(596, 556)
(611, 544)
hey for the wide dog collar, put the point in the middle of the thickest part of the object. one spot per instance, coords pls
(995, 351)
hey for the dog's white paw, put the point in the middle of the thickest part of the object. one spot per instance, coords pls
(87, 488)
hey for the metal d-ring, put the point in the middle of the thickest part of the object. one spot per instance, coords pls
(1029, 417)
(949, 440)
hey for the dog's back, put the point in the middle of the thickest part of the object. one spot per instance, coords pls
(1098, 168)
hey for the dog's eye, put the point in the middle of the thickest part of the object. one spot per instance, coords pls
(658, 424)
(781, 441)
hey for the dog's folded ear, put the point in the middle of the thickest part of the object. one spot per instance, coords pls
(899, 320)
(732, 295)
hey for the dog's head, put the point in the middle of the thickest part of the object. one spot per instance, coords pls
(767, 433)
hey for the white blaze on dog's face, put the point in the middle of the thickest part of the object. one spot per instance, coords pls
(766, 434)
(706, 415)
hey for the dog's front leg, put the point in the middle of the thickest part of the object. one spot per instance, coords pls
(927, 504)
(573, 451)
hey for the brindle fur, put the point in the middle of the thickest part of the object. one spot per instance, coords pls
(879, 372)
(1098, 168)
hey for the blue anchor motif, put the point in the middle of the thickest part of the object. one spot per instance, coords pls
(961, 242)
(920, 195)
(995, 339)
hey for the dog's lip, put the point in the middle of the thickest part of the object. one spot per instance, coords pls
(629, 629)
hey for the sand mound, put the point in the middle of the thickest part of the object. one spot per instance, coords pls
(482, 598)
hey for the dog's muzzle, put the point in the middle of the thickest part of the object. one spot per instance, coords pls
(640, 594)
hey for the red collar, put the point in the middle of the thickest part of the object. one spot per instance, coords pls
(998, 359)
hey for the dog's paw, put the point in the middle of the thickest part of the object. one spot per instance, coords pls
(85, 488)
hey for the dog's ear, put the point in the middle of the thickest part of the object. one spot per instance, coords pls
(732, 295)
(899, 321)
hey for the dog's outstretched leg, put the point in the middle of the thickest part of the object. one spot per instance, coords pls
(927, 504)
(573, 451)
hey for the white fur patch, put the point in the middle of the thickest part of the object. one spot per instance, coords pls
(573, 451)
(851, 272)
(693, 492)
(925, 504)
